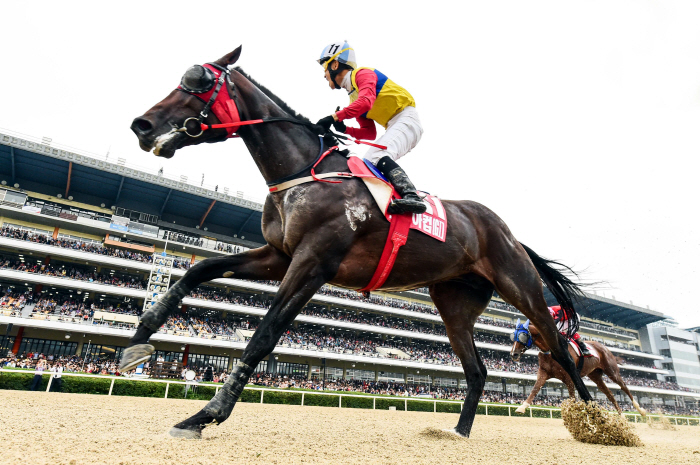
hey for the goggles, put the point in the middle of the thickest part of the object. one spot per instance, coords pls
(198, 80)
(522, 334)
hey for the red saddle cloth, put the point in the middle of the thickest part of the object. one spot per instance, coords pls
(433, 222)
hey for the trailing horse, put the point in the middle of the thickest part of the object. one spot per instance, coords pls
(526, 335)
(320, 233)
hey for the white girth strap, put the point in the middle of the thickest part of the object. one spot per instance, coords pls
(295, 182)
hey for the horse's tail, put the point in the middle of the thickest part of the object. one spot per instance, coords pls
(564, 289)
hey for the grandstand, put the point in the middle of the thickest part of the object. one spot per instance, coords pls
(77, 244)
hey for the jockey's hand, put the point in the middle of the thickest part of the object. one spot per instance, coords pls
(326, 122)
(339, 126)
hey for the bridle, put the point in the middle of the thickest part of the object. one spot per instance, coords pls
(204, 82)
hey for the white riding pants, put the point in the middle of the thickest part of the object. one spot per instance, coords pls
(402, 134)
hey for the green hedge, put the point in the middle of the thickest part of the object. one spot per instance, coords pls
(384, 404)
(451, 407)
(420, 406)
(320, 401)
(20, 381)
(356, 402)
(499, 410)
(250, 396)
(288, 398)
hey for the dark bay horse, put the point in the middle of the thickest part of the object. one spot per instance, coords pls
(593, 367)
(315, 235)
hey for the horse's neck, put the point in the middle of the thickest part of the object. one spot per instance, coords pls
(278, 149)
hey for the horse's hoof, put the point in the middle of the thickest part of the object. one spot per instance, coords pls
(181, 433)
(522, 408)
(454, 431)
(135, 355)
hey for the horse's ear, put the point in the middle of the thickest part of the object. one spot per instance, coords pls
(527, 324)
(229, 58)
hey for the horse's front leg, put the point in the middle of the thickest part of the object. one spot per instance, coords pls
(306, 274)
(262, 263)
(542, 377)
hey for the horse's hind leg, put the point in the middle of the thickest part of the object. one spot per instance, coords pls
(518, 282)
(613, 372)
(262, 263)
(597, 377)
(460, 302)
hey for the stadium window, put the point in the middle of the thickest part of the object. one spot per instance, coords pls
(47, 347)
(101, 352)
(167, 356)
(218, 362)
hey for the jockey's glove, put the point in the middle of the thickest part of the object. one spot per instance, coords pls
(326, 122)
(339, 126)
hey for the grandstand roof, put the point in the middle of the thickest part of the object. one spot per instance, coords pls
(604, 309)
(49, 170)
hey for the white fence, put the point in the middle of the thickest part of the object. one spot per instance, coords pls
(636, 416)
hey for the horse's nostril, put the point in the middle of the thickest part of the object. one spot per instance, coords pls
(142, 126)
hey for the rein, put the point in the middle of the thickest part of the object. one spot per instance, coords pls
(204, 127)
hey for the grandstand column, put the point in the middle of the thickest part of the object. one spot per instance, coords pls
(55, 232)
(192, 260)
(186, 354)
(18, 340)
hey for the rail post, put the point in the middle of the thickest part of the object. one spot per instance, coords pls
(509, 410)
(302, 399)
(167, 386)
(487, 410)
(262, 395)
(435, 407)
(48, 385)
(374, 403)
(217, 390)
(529, 409)
(551, 414)
(405, 405)
(111, 386)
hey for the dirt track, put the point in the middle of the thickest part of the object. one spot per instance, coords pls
(83, 429)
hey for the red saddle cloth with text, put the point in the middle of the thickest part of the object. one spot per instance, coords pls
(433, 222)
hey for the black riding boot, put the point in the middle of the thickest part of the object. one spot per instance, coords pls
(583, 347)
(410, 202)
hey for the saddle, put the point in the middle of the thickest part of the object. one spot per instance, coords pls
(433, 222)
(593, 352)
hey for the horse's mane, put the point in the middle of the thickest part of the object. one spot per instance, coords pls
(328, 139)
(280, 103)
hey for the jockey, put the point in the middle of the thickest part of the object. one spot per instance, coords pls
(374, 98)
(562, 321)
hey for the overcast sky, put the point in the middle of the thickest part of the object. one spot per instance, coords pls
(576, 122)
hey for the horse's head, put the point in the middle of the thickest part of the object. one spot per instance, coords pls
(522, 339)
(203, 96)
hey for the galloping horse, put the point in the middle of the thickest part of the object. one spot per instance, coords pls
(315, 235)
(526, 335)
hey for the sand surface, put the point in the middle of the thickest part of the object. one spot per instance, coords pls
(56, 428)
